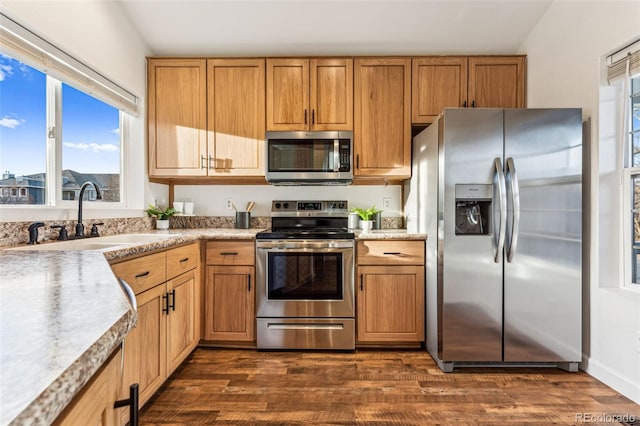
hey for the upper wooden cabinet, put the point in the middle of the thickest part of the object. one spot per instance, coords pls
(382, 115)
(206, 117)
(177, 116)
(309, 94)
(458, 81)
(236, 117)
(437, 83)
(496, 82)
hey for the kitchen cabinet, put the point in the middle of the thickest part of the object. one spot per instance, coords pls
(94, 405)
(177, 117)
(382, 117)
(230, 291)
(458, 82)
(167, 291)
(390, 292)
(309, 94)
(206, 117)
(236, 117)
(497, 82)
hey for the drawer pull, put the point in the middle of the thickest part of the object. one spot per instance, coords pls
(229, 253)
(186, 259)
(165, 300)
(392, 253)
(172, 305)
(133, 402)
(361, 282)
(144, 274)
(249, 282)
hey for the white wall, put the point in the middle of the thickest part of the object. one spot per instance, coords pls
(98, 34)
(564, 52)
(209, 200)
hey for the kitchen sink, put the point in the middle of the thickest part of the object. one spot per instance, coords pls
(97, 243)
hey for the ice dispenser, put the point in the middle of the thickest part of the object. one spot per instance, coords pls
(473, 209)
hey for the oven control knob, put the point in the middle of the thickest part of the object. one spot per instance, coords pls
(278, 205)
(286, 205)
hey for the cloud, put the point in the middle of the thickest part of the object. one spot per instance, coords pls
(116, 131)
(105, 147)
(5, 71)
(11, 123)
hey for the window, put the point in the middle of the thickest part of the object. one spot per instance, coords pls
(89, 143)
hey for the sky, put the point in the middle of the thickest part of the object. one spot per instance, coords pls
(90, 134)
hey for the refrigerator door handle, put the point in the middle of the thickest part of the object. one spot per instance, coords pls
(502, 189)
(515, 194)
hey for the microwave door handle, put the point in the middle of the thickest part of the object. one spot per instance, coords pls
(336, 155)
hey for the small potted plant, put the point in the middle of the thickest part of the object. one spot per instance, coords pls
(366, 217)
(162, 215)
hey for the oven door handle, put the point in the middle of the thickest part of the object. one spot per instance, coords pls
(310, 246)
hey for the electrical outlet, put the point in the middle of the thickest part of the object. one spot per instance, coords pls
(229, 203)
(386, 203)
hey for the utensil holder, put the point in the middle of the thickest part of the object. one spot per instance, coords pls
(243, 220)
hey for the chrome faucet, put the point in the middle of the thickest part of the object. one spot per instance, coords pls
(79, 225)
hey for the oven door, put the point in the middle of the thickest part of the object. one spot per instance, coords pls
(305, 278)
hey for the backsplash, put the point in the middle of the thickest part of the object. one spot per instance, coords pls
(16, 233)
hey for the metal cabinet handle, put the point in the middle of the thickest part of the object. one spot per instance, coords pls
(305, 116)
(503, 209)
(132, 402)
(186, 259)
(394, 253)
(202, 160)
(165, 300)
(515, 224)
(248, 282)
(464, 104)
(172, 305)
(473, 104)
(361, 282)
(313, 116)
(357, 161)
(143, 274)
(209, 162)
(229, 253)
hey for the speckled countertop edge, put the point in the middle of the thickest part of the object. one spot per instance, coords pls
(49, 403)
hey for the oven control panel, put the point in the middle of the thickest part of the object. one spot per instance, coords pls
(310, 208)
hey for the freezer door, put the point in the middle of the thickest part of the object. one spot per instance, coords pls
(543, 280)
(469, 271)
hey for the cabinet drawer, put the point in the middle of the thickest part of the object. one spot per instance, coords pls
(143, 273)
(385, 252)
(182, 259)
(230, 253)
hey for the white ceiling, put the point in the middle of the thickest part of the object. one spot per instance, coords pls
(348, 27)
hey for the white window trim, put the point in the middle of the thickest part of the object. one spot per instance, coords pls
(627, 220)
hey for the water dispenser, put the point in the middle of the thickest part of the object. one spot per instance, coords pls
(473, 209)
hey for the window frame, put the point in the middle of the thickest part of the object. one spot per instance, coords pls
(54, 198)
(629, 172)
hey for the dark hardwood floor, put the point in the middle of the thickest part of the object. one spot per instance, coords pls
(219, 386)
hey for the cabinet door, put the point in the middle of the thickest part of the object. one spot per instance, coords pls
(236, 116)
(331, 94)
(382, 119)
(182, 321)
(288, 94)
(145, 347)
(437, 83)
(177, 117)
(229, 303)
(496, 82)
(390, 304)
(94, 405)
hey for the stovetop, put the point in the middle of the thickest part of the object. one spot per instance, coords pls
(308, 220)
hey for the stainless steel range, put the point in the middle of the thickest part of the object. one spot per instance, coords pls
(305, 277)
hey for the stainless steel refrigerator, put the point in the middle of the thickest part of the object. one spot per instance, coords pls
(499, 193)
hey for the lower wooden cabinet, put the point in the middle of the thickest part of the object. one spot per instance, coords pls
(390, 291)
(168, 326)
(229, 301)
(390, 304)
(229, 295)
(94, 405)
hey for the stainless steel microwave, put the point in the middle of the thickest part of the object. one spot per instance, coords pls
(309, 158)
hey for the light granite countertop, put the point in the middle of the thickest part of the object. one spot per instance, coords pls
(63, 313)
(389, 234)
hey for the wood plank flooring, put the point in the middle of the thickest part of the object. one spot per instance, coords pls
(228, 387)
